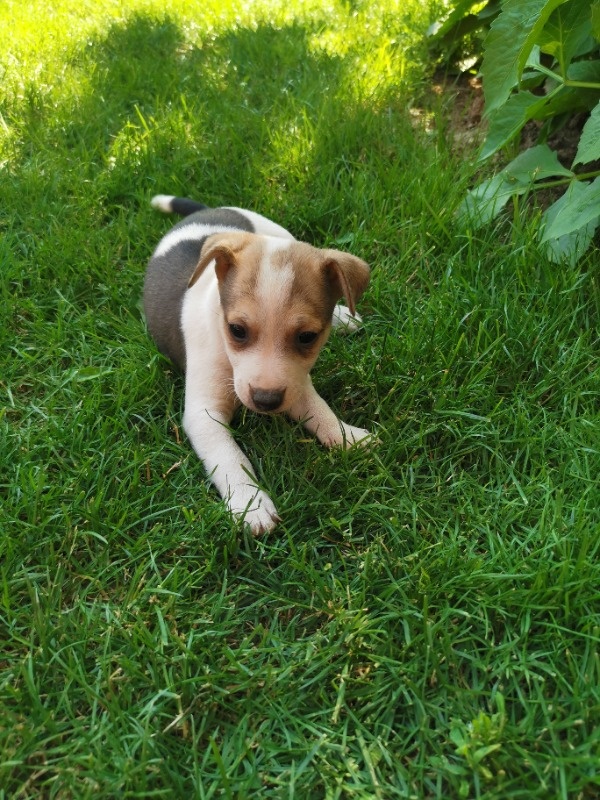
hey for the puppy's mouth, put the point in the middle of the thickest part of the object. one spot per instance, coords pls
(275, 413)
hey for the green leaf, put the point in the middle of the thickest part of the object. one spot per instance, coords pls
(457, 735)
(460, 10)
(446, 34)
(533, 59)
(507, 121)
(508, 45)
(568, 247)
(483, 752)
(485, 201)
(568, 100)
(490, 11)
(588, 71)
(596, 20)
(535, 164)
(567, 33)
(579, 208)
(589, 144)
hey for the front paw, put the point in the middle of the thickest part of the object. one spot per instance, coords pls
(353, 436)
(347, 436)
(255, 509)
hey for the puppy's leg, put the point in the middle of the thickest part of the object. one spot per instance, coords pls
(319, 419)
(227, 467)
(343, 321)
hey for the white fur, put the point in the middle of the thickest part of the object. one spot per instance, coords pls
(188, 233)
(210, 405)
(261, 224)
(274, 286)
(162, 202)
(344, 320)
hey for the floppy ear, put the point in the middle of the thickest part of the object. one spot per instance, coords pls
(348, 276)
(219, 252)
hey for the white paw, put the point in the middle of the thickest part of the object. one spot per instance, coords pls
(254, 508)
(347, 436)
(344, 321)
(354, 436)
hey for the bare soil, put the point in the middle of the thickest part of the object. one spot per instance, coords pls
(464, 99)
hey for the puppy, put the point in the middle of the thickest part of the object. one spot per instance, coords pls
(244, 309)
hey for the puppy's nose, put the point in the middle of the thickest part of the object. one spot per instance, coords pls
(267, 399)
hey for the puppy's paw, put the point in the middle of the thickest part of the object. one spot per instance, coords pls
(347, 436)
(260, 520)
(255, 509)
(344, 321)
(357, 436)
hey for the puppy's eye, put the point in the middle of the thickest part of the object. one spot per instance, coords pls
(306, 338)
(238, 332)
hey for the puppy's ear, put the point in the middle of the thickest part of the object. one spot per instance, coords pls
(348, 276)
(220, 252)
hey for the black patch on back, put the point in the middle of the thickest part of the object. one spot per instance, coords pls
(217, 218)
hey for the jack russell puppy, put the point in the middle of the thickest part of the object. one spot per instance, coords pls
(244, 309)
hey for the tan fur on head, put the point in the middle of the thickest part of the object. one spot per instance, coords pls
(272, 290)
(348, 274)
(223, 250)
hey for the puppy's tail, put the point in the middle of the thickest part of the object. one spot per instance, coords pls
(169, 204)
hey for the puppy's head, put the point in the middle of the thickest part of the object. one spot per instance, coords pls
(277, 299)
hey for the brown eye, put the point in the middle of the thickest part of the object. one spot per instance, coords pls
(306, 338)
(238, 332)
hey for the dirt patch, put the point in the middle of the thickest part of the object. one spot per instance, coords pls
(464, 105)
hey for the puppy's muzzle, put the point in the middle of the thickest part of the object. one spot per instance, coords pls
(267, 399)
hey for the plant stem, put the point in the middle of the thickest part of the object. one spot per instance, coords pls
(582, 84)
(563, 181)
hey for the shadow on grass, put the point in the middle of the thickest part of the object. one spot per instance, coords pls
(256, 117)
(250, 117)
(235, 89)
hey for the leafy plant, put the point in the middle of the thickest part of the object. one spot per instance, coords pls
(476, 742)
(541, 61)
(461, 31)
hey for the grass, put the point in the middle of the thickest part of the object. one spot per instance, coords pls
(425, 622)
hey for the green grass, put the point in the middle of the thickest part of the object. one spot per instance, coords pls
(425, 622)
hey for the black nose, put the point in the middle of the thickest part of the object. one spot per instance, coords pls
(267, 399)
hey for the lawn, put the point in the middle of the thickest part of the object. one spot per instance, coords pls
(425, 622)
